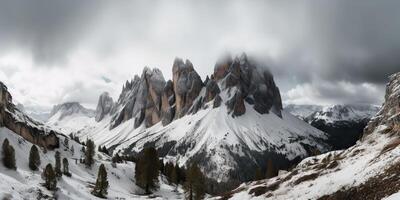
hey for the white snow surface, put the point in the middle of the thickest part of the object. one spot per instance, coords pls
(214, 132)
(26, 184)
(370, 157)
(355, 166)
(333, 113)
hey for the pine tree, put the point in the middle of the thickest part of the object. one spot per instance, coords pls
(66, 142)
(100, 189)
(195, 183)
(258, 175)
(50, 177)
(66, 167)
(89, 153)
(72, 150)
(146, 170)
(116, 158)
(271, 170)
(58, 164)
(34, 158)
(8, 155)
(104, 150)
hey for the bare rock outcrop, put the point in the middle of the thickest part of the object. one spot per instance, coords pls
(256, 84)
(104, 106)
(141, 99)
(212, 89)
(236, 104)
(187, 85)
(15, 120)
(389, 115)
(150, 99)
(167, 103)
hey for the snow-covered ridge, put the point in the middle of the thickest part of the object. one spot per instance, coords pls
(70, 117)
(368, 170)
(230, 124)
(333, 113)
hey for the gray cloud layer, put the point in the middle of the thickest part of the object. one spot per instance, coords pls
(313, 46)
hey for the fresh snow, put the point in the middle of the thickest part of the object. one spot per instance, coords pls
(26, 184)
(212, 130)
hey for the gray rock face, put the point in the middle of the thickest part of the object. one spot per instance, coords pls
(168, 100)
(104, 106)
(70, 108)
(221, 68)
(141, 99)
(256, 84)
(150, 99)
(389, 115)
(217, 101)
(236, 104)
(212, 90)
(18, 122)
(187, 85)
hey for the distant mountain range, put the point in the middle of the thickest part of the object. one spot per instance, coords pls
(368, 170)
(343, 123)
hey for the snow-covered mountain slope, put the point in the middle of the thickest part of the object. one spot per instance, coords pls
(337, 113)
(230, 124)
(16, 120)
(333, 113)
(343, 123)
(368, 170)
(27, 184)
(70, 117)
(302, 111)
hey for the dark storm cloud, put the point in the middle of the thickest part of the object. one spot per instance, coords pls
(48, 29)
(309, 45)
(356, 41)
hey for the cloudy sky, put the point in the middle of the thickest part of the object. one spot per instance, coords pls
(320, 52)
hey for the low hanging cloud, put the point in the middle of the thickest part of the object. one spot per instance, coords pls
(319, 52)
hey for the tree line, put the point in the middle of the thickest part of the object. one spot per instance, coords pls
(148, 169)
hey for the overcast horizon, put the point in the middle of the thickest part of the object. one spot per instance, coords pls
(325, 52)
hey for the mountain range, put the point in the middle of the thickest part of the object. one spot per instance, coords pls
(231, 125)
(344, 124)
(178, 117)
(367, 170)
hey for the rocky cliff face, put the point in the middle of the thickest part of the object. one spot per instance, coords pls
(104, 106)
(150, 99)
(18, 122)
(368, 170)
(343, 123)
(70, 108)
(254, 84)
(141, 99)
(389, 115)
(229, 124)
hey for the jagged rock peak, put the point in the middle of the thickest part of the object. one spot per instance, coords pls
(389, 115)
(104, 106)
(254, 81)
(70, 108)
(187, 85)
(222, 66)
